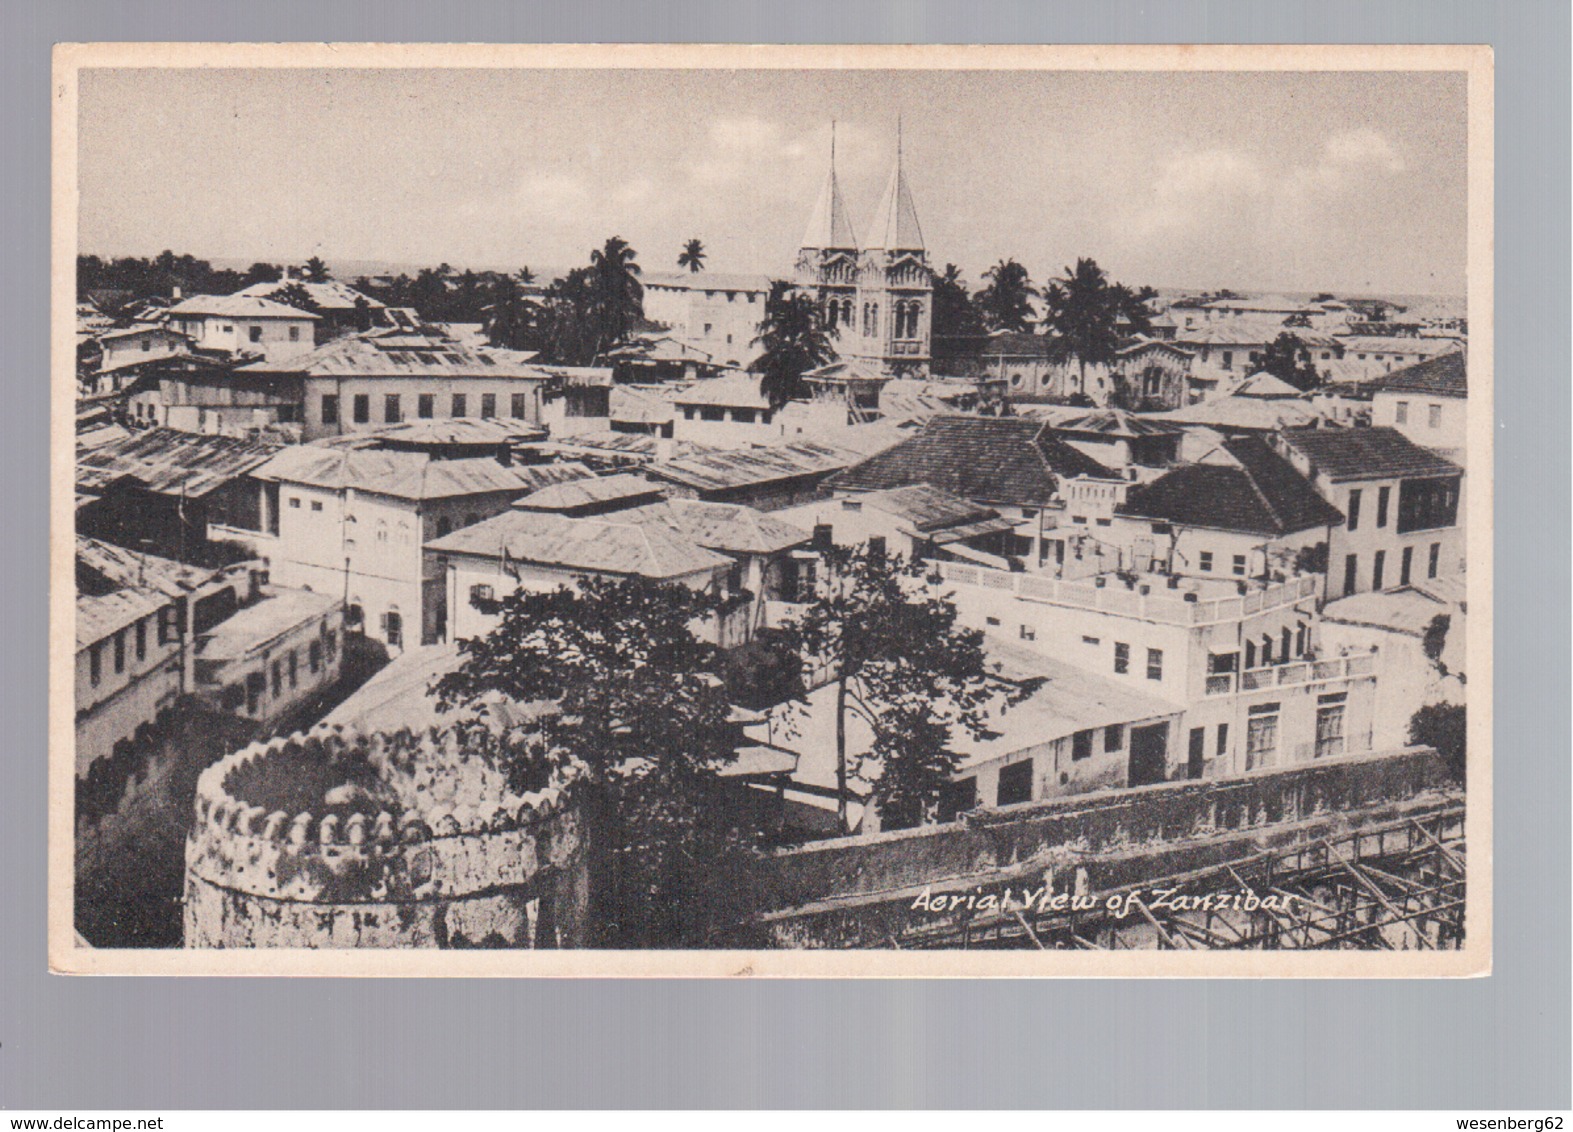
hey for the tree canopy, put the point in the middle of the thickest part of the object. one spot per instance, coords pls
(634, 700)
(1288, 358)
(1088, 317)
(1006, 302)
(792, 340)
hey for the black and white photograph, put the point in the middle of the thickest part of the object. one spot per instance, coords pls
(783, 511)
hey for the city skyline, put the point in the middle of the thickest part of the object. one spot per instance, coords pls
(1346, 182)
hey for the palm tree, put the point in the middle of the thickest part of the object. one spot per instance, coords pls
(1088, 318)
(693, 256)
(619, 297)
(524, 276)
(1007, 300)
(793, 339)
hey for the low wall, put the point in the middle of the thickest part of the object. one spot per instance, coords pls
(333, 839)
(987, 842)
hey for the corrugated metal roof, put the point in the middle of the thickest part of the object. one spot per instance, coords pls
(385, 353)
(588, 492)
(1400, 344)
(171, 462)
(410, 475)
(1252, 332)
(1266, 386)
(99, 617)
(329, 295)
(749, 467)
(1409, 610)
(721, 526)
(706, 281)
(740, 390)
(253, 626)
(130, 569)
(452, 431)
(603, 544)
(237, 306)
(1242, 413)
(1115, 422)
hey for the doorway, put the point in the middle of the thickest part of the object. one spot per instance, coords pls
(1149, 757)
(1197, 752)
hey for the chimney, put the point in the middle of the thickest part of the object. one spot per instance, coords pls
(174, 293)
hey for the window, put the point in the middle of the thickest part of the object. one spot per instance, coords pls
(1122, 657)
(1228, 359)
(1351, 574)
(1432, 559)
(330, 408)
(168, 628)
(120, 651)
(294, 334)
(1401, 413)
(1223, 740)
(95, 663)
(1089, 640)
(1377, 565)
(331, 640)
(480, 594)
(1162, 528)
(1354, 508)
(314, 656)
(1081, 746)
(1434, 416)
(459, 408)
(518, 406)
(877, 547)
(1250, 654)
(712, 413)
(256, 683)
(1238, 565)
(1206, 560)
(1267, 649)
(1028, 634)
(425, 405)
(316, 505)
(1015, 784)
(1405, 562)
(1261, 736)
(255, 334)
(294, 669)
(362, 408)
(488, 406)
(1382, 496)
(141, 640)
(1330, 725)
(1082, 519)
(390, 408)
(278, 679)
(1426, 504)
(992, 621)
(1113, 737)
(1105, 522)
(393, 628)
(1155, 664)
(294, 501)
(743, 416)
(1285, 640)
(147, 345)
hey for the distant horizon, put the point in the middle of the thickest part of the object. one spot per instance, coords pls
(1348, 182)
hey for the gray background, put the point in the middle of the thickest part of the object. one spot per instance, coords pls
(156, 1043)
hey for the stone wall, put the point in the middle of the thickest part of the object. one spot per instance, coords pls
(988, 845)
(334, 839)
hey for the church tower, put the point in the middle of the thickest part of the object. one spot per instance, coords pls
(827, 262)
(895, 289)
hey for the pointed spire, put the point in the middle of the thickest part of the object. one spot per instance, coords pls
(895, 226)
(829, 226)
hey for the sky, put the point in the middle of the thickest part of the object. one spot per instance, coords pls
(1347, 182)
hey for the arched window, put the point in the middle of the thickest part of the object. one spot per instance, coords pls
(874, 319)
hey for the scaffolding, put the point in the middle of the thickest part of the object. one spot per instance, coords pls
(1395, 886)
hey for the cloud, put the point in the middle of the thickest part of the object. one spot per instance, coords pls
(1353, 148)
(737, 148)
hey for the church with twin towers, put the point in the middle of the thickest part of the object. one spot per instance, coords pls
(876, 297)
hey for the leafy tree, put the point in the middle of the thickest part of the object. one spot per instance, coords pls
(264, 273)
(692, 257)
(1444, 727)
(316, 271)
(1006, 303)
(906, 669)
(293, 294)
(619, 297)
(362, 313)
(1435, 640)
(1088, 317)
(639, 708)
(1288, 358)
(792, 340)
(955, 314)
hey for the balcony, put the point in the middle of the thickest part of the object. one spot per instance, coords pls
(1298, 673)
(1157, 603)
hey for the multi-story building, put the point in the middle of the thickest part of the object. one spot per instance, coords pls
(269, 660)
(724, 412)
(1400, 503)
(352, 523)
(1428, 402)
(715, 313)
(244, 324)
(128, 667)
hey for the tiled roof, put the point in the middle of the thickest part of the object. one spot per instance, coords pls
(98, 617)
(605, 544)
(409, 475)
(571, 495)
(985, 459)
(1445, 376)
(329, 295)
(1266, 385)
(721, 526)
(1366, 454)
(748, 467)
(236, 306)
(446, 432)
(1262, 494)
(741, 390)
(171, 462)
(384, 353)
